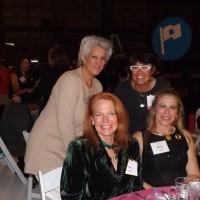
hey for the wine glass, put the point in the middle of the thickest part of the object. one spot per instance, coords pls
(193, 190)
(180, 189)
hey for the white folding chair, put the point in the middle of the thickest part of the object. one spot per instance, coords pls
(30, 194)
(49, 182)
(7, 159)
(25, 134)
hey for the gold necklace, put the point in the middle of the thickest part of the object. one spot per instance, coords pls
(167, 136)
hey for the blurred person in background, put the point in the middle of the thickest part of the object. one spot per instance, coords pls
(58, 64)
(17, 117)
(4, 85)
(21, 82)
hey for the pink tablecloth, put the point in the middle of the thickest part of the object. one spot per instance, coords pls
(143, 193)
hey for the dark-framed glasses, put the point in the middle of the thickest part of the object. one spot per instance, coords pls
(142, 67)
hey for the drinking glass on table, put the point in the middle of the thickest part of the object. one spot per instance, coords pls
(193, 190)
(156, 196)
(179, 191)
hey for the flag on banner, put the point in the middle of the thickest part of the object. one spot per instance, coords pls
(173, 32)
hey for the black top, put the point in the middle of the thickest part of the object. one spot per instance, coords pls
(45, 86)
(16, 118)
(162, 169)
(23, 83)
(132, 100)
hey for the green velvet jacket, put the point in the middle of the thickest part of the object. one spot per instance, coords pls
(88, 174)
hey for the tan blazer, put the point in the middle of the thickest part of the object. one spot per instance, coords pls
(59, 123)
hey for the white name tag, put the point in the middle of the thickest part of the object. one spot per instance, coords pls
(22, 79)
(132, 168)
(150, 99)
(159, 147)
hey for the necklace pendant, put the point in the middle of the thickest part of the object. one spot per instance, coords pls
(115, 157)
(142, 105)
(168, 137)
(142, 95)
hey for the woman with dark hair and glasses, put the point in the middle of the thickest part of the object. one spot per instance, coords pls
(138, 92)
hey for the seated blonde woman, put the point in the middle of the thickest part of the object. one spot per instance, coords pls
(167, 148)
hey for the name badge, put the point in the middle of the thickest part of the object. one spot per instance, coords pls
(132, 168)
(150, 99)
(22, 79)
(159, 147)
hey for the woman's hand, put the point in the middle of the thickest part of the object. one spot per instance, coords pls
(146, 185)
(29, 90)
(16, 99)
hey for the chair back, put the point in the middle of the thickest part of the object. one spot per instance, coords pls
(25, 134)
(7, 159)
(31, 194)
(49, 181)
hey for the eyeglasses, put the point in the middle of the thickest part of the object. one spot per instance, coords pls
(142, 67)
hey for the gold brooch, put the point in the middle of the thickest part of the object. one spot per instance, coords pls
(168, 137)
(177, 136)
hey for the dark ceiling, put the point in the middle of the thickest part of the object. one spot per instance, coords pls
(35, 25)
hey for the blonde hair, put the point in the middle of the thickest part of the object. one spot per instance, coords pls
(178, 123)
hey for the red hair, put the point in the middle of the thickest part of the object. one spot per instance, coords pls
(121, 134)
